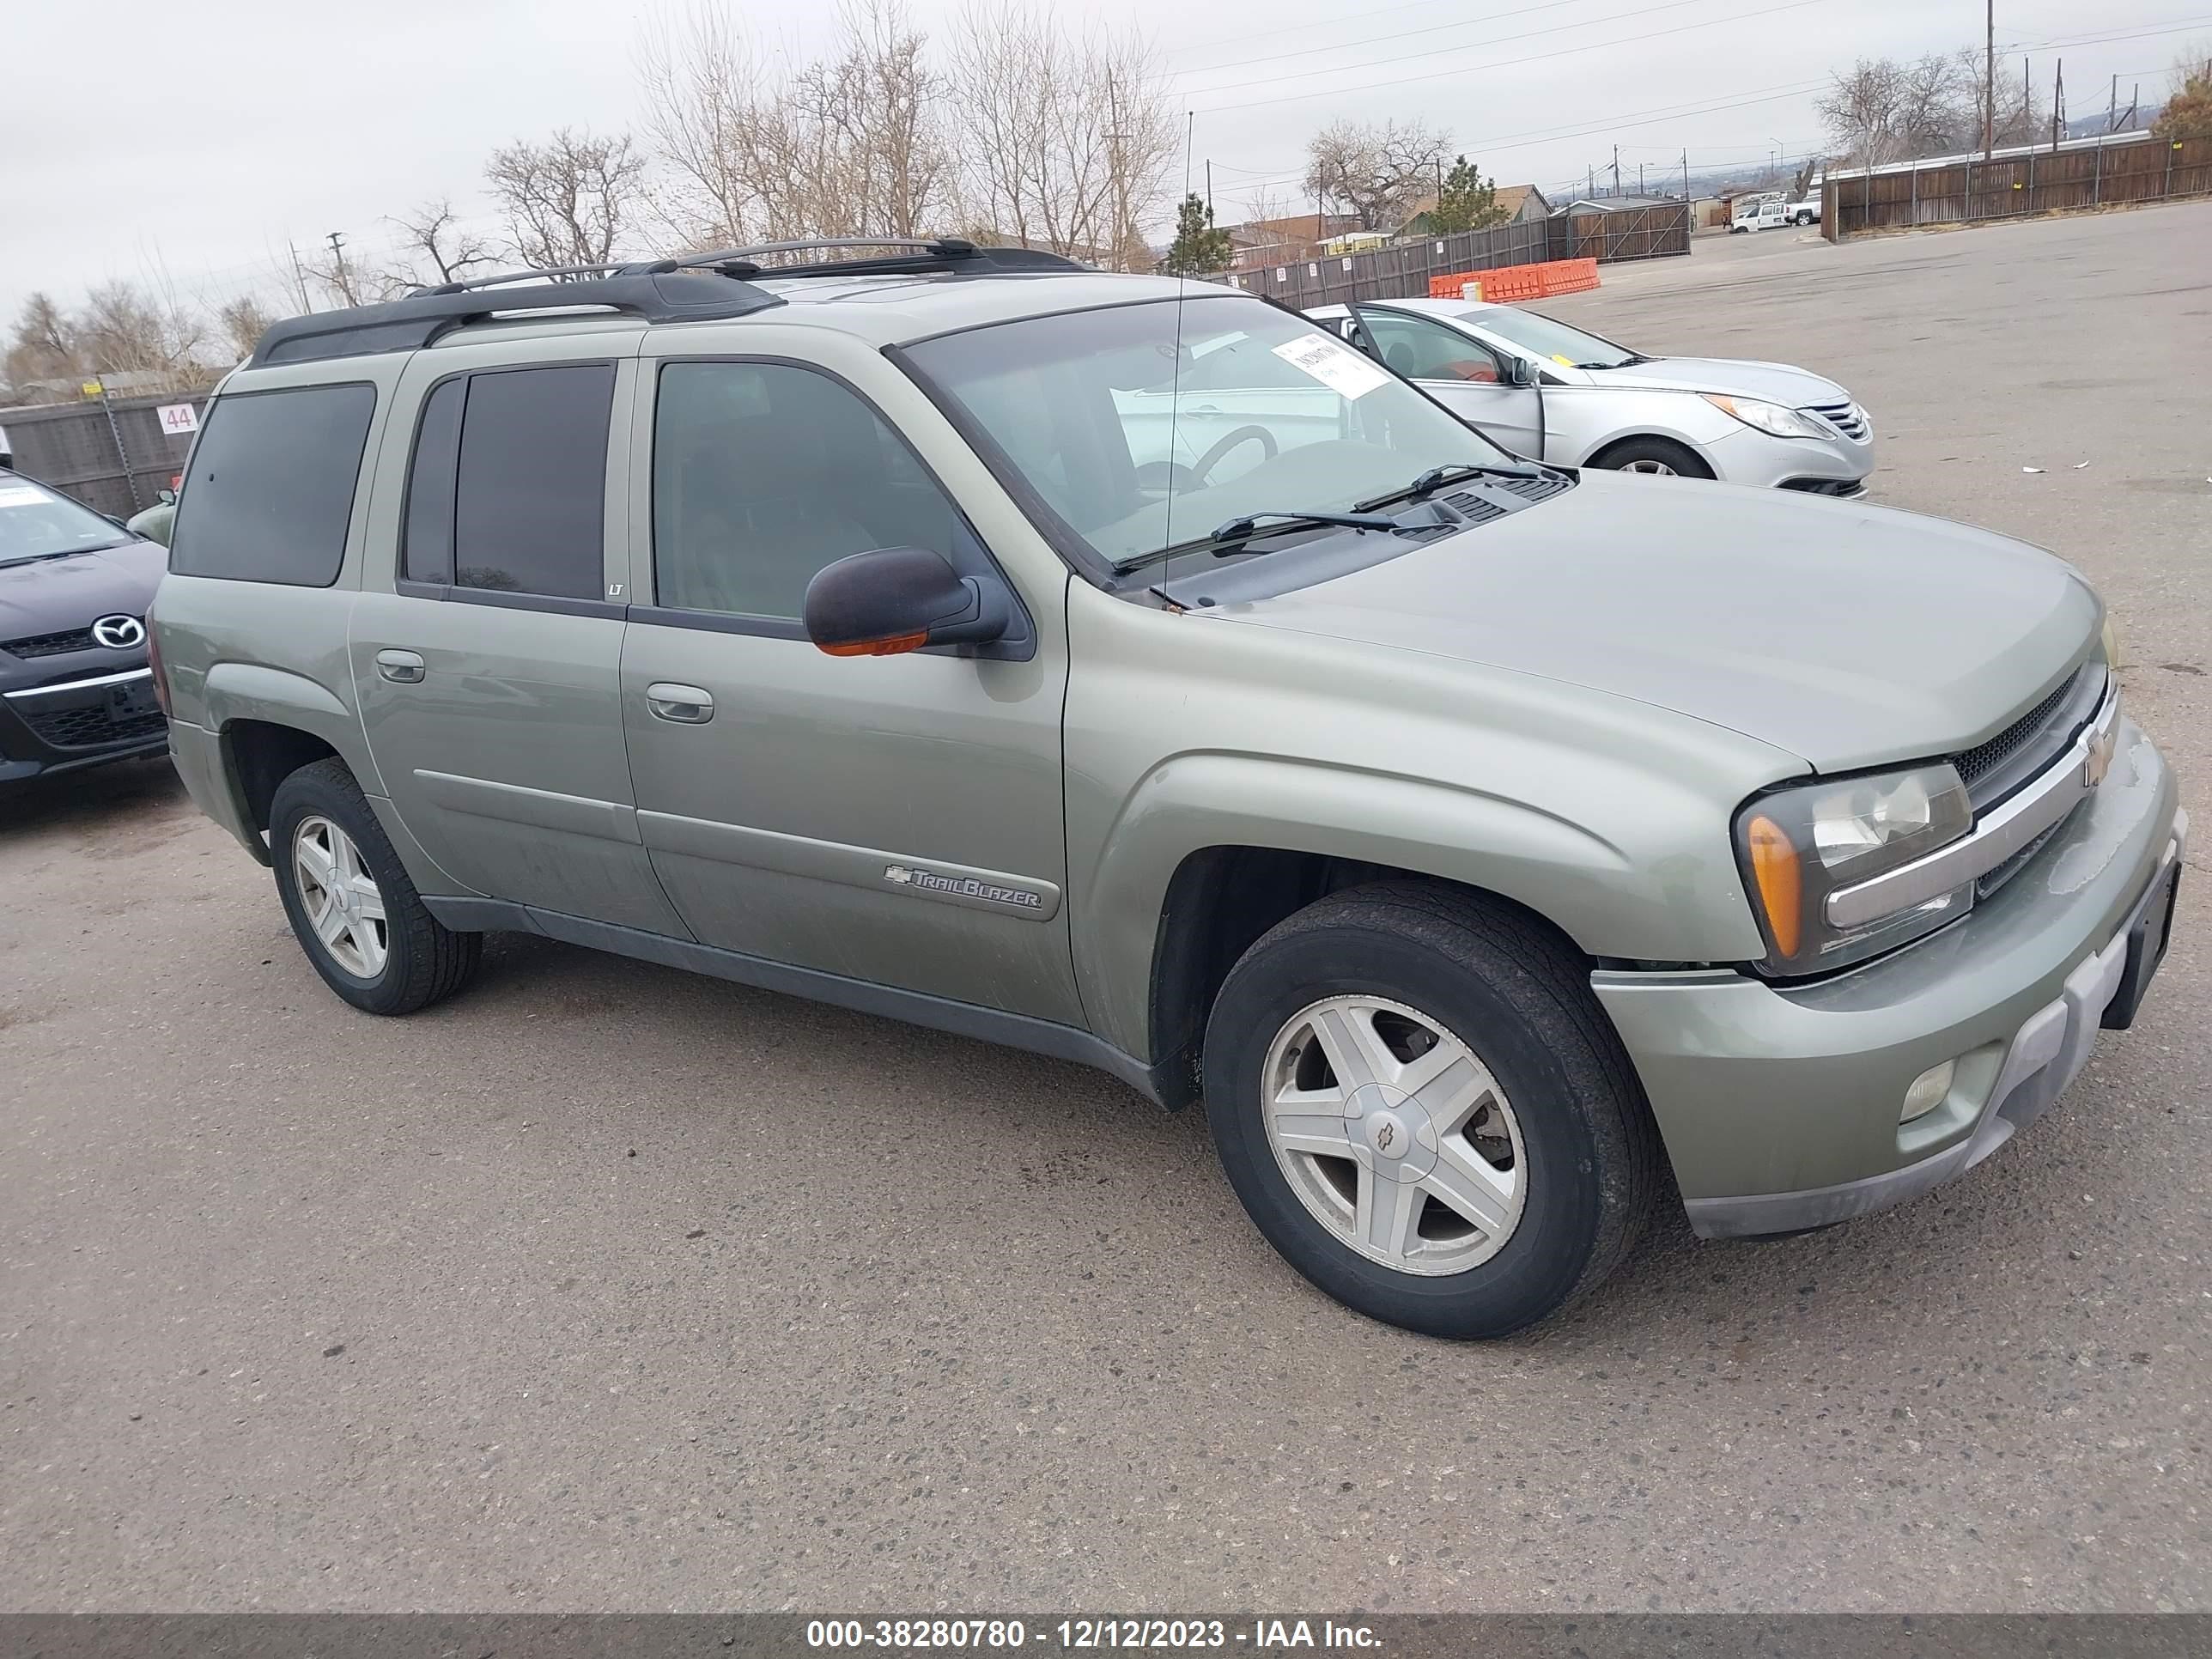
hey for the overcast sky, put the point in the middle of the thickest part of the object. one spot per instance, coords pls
(138, 136)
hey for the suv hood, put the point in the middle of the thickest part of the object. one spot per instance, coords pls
(1776, 383)
(52, 596)
(1850, 636)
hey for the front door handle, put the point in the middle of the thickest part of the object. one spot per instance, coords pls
(400, 667)
(686, 705)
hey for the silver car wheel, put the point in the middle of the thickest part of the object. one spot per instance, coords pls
(340, 897)
(1394, 1135)
(1658, 469)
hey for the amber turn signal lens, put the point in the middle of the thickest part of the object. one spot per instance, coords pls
(889, 648)
(1780, 884)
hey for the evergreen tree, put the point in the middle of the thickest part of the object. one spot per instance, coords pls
(1468, 202)
(1200, 248)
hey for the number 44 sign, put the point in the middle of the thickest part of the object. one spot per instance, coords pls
(178, 417)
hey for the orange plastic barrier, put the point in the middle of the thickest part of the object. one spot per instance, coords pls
(1507, 283)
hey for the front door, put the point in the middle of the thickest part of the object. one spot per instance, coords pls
(486, 654)
(893, 820)
(1460, 371)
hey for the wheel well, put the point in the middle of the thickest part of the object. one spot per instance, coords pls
(1699, 468)
(1219, 902)
(262, 755)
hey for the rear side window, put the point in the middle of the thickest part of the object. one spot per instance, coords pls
(269, 490)
(529, 498)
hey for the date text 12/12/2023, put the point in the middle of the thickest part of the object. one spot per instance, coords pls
(1080, 1635)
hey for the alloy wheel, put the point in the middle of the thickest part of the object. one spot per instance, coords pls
(341, 899)
(1394, 1135)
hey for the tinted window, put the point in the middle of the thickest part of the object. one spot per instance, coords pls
(763, 473)
(529, 500)
(430, 544)
(270, 486)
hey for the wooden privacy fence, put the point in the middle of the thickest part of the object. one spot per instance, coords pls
(112, 454)
(1404, 270)
(2127, 168)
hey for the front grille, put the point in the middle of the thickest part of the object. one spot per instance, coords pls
(1994, 769)
(1846, 417)
(49, 645)
(88, 728)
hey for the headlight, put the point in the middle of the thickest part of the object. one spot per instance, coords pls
(2111, 643)
(1771, 418)
(1797, 846)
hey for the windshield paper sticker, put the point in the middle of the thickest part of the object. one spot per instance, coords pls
(18, 496)
(1334, 364)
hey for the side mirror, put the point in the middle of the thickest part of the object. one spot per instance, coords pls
(1519, 371)
(900, 599)
(167, 497)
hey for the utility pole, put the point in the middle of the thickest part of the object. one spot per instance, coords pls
(2057, 105)
(1616, 169)
(299, 277)
(2113, 108)
(1989, 85)
(1686, 175)
(1209, 190)
(1639, 177)
(337, 239)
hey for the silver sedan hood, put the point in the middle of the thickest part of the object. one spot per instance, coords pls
(1776, 383)
(1850, 636)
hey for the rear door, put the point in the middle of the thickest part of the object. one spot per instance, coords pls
(1462, 374)
(487, 642)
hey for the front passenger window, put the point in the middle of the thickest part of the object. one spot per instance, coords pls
(762, 473)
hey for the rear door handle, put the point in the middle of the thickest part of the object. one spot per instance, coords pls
(686, 705)
(400, 667)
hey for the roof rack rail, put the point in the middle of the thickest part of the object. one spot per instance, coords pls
(661, 292)
(946, 254)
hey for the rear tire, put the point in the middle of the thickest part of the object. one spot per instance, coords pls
(350, 903)
(1571, 1148)
(1654, 457)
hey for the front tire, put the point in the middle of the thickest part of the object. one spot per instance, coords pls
(350, 903)
(1423, 1109)
(1658, 457)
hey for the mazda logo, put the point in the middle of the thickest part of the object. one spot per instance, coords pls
(120, 632)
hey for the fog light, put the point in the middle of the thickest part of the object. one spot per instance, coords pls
(1928, 1091)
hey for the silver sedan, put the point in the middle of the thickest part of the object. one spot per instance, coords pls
(1550, 392)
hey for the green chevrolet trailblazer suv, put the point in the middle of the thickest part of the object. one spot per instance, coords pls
(1125, 669)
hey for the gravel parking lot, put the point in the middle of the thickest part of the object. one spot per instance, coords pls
(607, 1287)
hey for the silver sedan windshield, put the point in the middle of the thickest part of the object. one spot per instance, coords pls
(1143, 427)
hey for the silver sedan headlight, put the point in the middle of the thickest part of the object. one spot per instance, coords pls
(1798, 845)
(1771, 418)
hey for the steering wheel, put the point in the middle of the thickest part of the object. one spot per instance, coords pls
(1204, 470)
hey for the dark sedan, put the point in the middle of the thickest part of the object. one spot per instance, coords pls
(75, 687)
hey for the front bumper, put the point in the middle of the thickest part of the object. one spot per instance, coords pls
(1779, 1104)
(87, 721)
(1834, 466)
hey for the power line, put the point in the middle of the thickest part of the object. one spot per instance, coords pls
(1435, 28)
(1508, 63)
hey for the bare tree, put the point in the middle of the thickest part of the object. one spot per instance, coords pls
(569, 200)
(1376, 173)
(243, 322)
(701, 81)
(435, 246)
(124, 329)
(1070, 137)
(45, 346)
(1884, 109)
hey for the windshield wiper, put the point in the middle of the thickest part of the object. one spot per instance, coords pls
(64, 553)
(1437, 477)
(1230, 538)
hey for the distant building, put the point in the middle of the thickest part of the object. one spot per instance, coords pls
(1261, 242)
(1523, 204)
(1615, 203)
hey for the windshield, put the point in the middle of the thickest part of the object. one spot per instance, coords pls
(1541, 337)
(1143, 427)
(35, 523)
